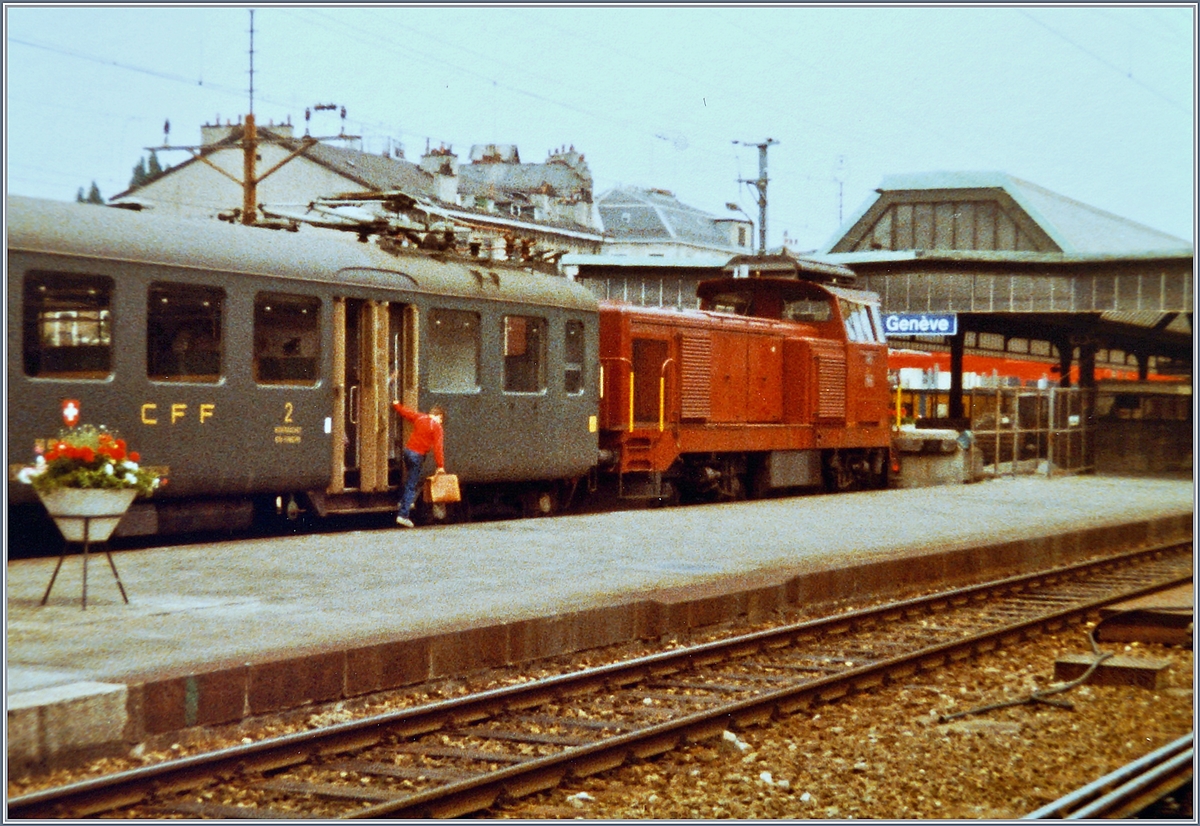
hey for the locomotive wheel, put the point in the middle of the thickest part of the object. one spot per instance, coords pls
(670, 496)
(732, 488)
(839, 473)
(760, 481)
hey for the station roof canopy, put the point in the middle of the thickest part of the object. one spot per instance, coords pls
(986, 245)
(991, 211)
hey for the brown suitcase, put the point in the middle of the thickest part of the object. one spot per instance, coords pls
(442, 487)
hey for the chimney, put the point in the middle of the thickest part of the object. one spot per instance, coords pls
(211, 133)
(441, 160)
(442, 164)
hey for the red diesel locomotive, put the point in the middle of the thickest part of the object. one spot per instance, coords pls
(775, 383)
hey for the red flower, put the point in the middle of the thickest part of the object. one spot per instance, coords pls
(87, 454)
(135, 457)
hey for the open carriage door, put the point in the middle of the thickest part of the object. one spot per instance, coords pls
(372, 340)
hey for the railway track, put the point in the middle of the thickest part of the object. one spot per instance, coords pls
(463, 755)
(1130, 789)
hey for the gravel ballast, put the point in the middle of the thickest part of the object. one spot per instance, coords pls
(884, 754)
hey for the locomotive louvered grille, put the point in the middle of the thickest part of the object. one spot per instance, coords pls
(697, 370)
(831, 386)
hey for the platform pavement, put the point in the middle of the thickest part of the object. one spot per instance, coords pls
(217, 632)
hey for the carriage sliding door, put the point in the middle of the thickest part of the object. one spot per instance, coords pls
(374, 363)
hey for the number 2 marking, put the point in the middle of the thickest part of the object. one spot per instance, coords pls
(287, 414)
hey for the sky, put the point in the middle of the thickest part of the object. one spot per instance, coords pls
(1096, 103)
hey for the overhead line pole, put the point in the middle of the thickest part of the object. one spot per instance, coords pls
(761, 186)
(250, 149)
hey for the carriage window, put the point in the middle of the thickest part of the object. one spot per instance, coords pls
(573, 358)
(524, 354)
(453, 351)
(287, 339)
(68, 325)
(183, 332)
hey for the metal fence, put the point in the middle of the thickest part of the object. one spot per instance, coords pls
(1033, 430)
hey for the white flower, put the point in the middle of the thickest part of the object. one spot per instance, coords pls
(26, 474)
(128, 465)
(108, 469)
(130, 478)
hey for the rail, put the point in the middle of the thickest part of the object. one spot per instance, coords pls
(1128, 790)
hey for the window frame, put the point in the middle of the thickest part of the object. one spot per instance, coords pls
(535, 328)
(434, 373)
(183, 332)
(574, 368)
(258, 355)
(35, 324)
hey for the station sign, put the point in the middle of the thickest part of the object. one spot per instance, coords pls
(920, 324)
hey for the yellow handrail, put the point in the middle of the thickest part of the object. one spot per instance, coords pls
(631, 374)
(662, 394)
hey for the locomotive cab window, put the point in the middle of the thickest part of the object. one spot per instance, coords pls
(573, 358)
(876, 323)
(524, 354)
(453, 351)
(68, 325)
(806, 309)
(733, 303)
(183, 332)
(861, 325)
(287, 339)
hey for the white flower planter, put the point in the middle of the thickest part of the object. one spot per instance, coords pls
(100, 509)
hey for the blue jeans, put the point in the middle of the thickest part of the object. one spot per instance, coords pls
(412, 480)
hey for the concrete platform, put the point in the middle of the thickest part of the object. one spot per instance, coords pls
(218, 632)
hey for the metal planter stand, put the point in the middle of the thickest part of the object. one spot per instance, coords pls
(83, 517)
(87, 520)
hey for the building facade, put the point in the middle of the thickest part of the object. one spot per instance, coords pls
(493, 205)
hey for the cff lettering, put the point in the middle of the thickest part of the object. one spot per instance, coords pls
(920, 324)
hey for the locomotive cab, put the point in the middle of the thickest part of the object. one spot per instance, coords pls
(800, 302)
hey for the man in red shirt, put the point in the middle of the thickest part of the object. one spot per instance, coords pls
(426, 434)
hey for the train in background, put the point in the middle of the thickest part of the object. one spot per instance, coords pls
(256, 369)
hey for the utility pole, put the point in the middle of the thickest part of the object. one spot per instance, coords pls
(761, 186)
(250, 178)
(250, 149)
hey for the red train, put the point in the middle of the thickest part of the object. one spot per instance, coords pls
(774, 383)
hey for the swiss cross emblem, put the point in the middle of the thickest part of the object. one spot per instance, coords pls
(70, 411)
